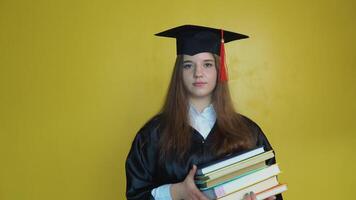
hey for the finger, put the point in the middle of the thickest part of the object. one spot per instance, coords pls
(271, 198)
(201, 196)
(253, 196)
(247, 196)
(190, 177)
(194, 197)
(192, 171)
(197, 193)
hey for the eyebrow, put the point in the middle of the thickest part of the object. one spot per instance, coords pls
(207, 60)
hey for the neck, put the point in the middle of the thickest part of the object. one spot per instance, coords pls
(200, 103)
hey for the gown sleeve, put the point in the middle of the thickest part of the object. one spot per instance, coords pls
(141, 165)
(262, 141)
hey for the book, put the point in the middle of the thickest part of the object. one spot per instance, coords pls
(256, 188)
(205, 184)
(271, 192)
(241, 182)
(233, 170)
(221, 163)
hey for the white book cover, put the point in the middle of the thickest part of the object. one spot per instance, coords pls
(230, 161)
(240, 165)
(244, 181)
(271, 192)
(256, 188)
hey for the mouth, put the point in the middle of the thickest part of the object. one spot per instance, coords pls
(199, 84)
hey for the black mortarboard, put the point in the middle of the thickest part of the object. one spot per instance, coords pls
(192, 39)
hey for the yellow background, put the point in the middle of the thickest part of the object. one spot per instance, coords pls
(79, 78)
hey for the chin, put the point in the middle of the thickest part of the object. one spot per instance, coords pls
(201, 95)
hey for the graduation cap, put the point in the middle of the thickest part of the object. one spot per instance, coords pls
(192, 39)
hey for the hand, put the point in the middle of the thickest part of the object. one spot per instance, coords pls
(252, 196)
(187, 189)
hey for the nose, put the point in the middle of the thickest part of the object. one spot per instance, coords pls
(198, 71)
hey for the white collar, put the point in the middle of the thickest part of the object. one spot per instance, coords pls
(202, 122)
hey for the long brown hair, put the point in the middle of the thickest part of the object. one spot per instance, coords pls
(232, 134)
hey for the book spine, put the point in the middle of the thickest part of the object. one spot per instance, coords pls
(245, 181)
(235, 177)
(229, 161)
(236, 166)
(271, 192)
(256, 188)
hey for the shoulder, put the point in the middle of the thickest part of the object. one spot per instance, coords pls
(253, 126)
(149, 132)
(261, 139)
(153, 122)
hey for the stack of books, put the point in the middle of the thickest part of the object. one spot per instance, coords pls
(232, 177)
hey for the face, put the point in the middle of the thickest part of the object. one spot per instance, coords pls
(199, 75)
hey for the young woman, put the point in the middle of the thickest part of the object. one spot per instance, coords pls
(197, 123)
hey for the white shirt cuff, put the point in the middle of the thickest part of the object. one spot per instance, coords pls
(162, 192)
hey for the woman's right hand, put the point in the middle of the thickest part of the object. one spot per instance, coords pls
(187, 189)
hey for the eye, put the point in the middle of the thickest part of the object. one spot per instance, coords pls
(187, 66)
(208, 65)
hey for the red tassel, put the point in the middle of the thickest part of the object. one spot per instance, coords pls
(223, 67)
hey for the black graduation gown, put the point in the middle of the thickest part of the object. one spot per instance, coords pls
(143, 173)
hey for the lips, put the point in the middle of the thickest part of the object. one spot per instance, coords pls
(199, 84)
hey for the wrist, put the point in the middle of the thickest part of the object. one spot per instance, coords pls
(175, 190)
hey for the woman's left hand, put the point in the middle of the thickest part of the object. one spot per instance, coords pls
(252, 196)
